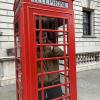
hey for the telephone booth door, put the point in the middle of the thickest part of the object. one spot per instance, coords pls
(45, 53)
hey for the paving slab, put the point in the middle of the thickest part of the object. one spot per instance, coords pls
(89, 85)
(8, 92)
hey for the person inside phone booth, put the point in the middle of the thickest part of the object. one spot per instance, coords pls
(49, 66)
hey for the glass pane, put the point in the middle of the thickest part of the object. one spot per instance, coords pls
(37, 22)
(51, 37)
(57, 89)
(86, 17)
(17, 41)
(86, 23)
(18, 52)
(51, 23)
(50, 50)
(86, 29)
(18, 45)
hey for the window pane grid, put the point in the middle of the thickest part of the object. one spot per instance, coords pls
(55, 29)
(86, 22)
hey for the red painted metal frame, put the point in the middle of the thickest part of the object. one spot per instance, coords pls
(26, 18)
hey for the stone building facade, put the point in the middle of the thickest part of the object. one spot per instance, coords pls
(87, 45)
(7, 66)
(87, 41)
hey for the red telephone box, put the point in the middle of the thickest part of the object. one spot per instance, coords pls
(37, 61)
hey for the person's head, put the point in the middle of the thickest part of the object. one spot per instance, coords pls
(44, 37)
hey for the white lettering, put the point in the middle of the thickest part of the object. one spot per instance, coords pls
(53, 3)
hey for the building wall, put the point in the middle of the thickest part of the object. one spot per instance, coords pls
(83, 44)
(87, 44)
(92, 43)
(6, 26)
(7, 66)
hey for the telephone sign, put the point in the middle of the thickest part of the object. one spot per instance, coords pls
(57, 3)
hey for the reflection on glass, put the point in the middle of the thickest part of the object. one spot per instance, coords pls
(18, 52)
(17, 41)
(60, 38)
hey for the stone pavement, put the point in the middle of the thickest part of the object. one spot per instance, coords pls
(88, 87)
(7, 92)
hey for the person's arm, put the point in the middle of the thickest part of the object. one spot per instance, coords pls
(51, 51)
(57, 52)
(48, 51)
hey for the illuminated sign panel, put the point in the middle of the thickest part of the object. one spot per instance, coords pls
(56, 3)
